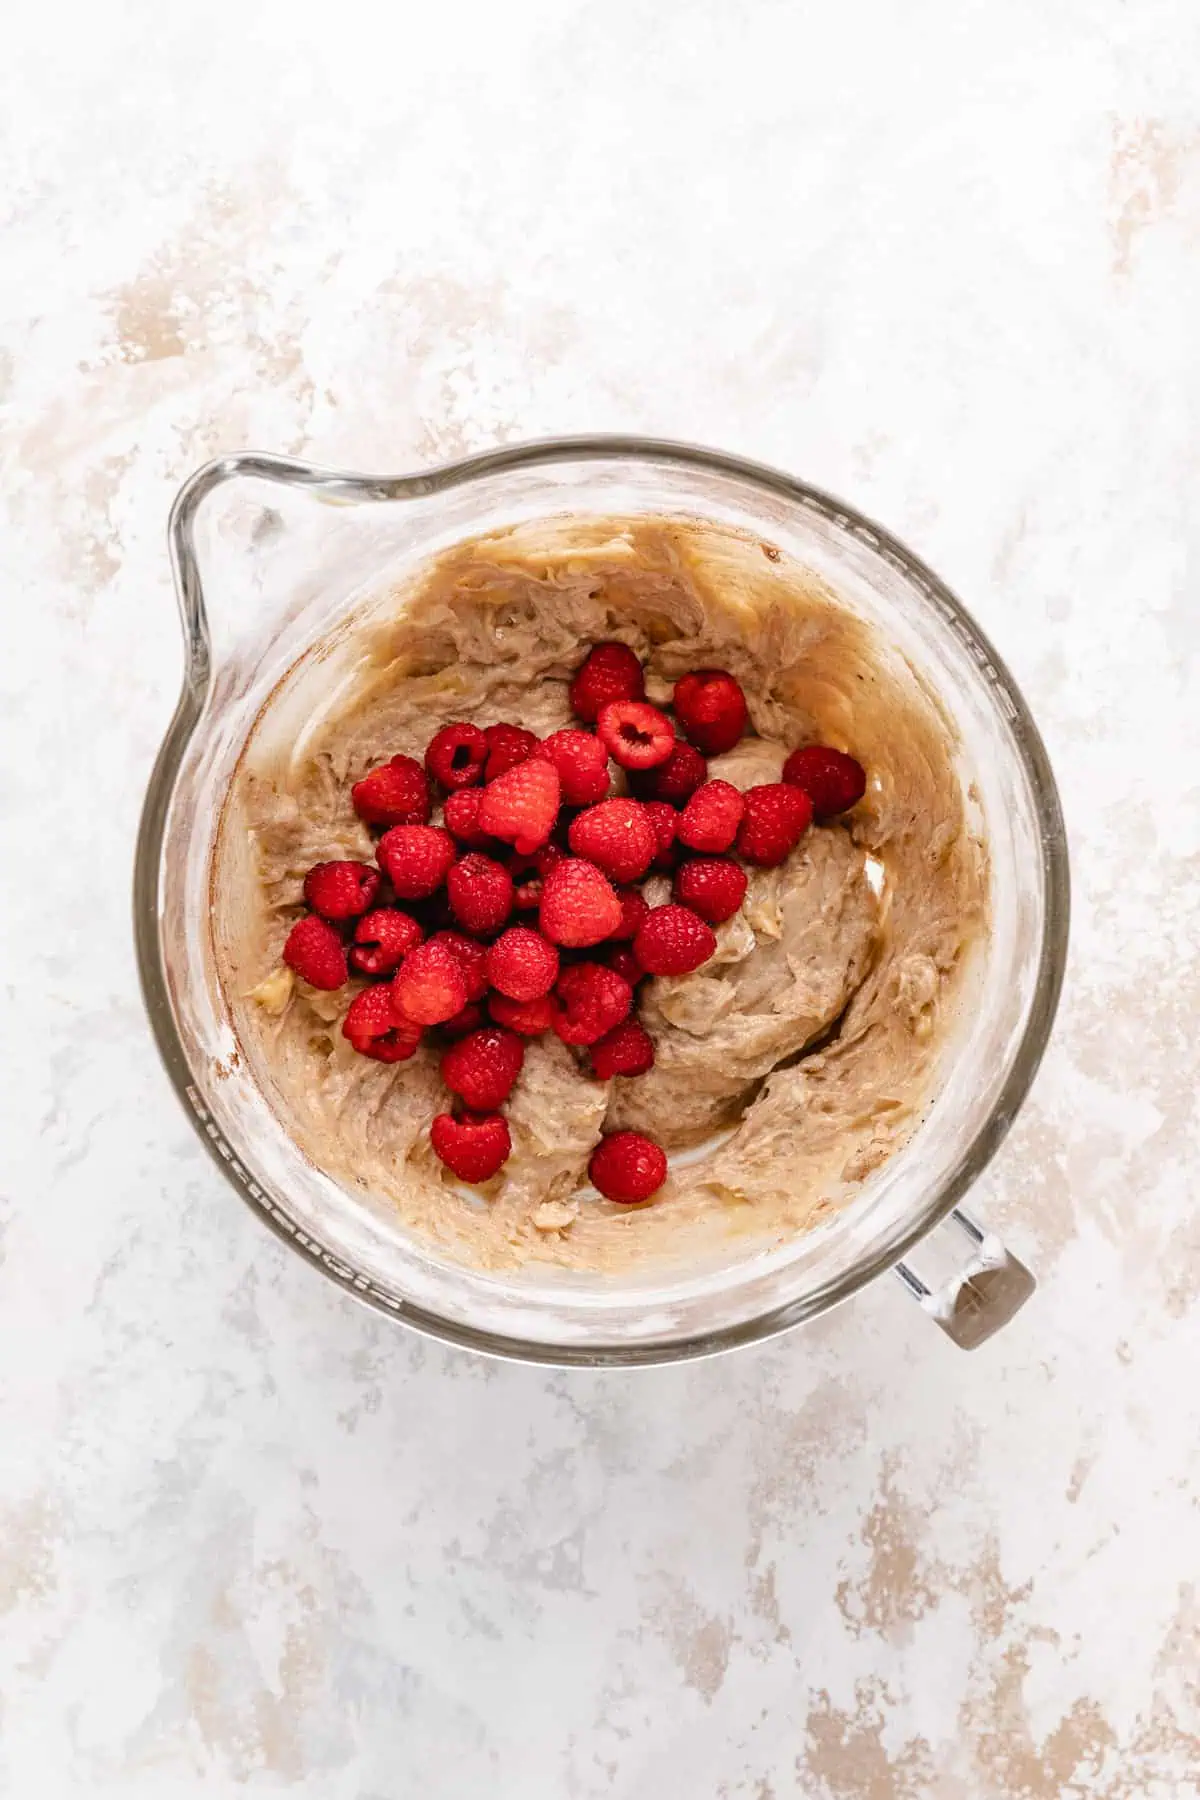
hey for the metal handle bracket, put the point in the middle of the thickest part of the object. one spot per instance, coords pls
(972, 1299)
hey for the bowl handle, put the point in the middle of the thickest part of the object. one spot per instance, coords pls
(970, 1299)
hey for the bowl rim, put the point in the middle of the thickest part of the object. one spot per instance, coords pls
(197, 678)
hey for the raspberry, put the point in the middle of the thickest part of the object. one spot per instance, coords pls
(382, 939)
(711, 817)
(480, 892)
(474, 1146)
(456, 755)
(672, 940)
(461, 818)
(635, 735)
(416, 859)
(521, 964)
(617, 836)
(529, 872)
(579, 907)
(374, 1027)
(609, 672)
(627, 1167)
(429, 985)
(712, 886)
(341, 890)
(634, 908)
(507, 745)
(470, 1017)
(777, 815)
(582, 764)
(593, 1000)
(675, 780)
(711, 707)
(397, 793)
(664, 821)
(833, 781)
(628, 1049)
(521, 805)
(314, 950)
(529, 1017)
(482, 1068)
(470, 957)
(624, 963)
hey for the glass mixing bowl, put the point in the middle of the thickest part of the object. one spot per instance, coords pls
(271, 556)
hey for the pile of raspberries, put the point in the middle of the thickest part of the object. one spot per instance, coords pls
(521, 912)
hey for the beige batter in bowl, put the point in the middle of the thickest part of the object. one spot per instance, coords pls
(712, 561)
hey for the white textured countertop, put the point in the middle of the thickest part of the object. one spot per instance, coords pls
(941, 258)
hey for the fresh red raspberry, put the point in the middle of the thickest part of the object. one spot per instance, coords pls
(712, 886)
(457, 754)
(374, 1027)
(549, 857)
(529, 872)
(665, 823)
(521, 805)
(593, 999)
(482, 1068)
(470, 1017)
(461, 818)
(530, 1017)
(628, 1049)
(627, 1167)
(382, 939)
(470, 957)
(522, 964)
(672, 940)
(634, 907)
(635, 735)
(711, 708)
(617, 836)
(675, 780)
(315, 952)
(507, 745)
(711, 817)
(416, 859)
(579, 907)
(833, 781)
(397, 793)
(625, 964)
(609, 672)
(341, 890)
(474, 1146)
(429, 985)
(777, 815)
(582, 764)
(480, 892)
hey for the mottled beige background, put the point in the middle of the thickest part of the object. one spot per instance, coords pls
(943, 258)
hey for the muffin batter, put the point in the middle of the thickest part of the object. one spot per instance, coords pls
(793, 1063)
